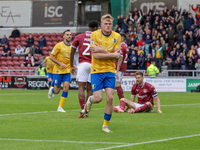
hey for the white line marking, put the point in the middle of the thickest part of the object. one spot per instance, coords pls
(41, 112)
(60, 141)
(21, 93)
(163, 140)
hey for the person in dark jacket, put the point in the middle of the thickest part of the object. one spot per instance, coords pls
(171, 36)
(185, 13)
(189, 22)
(15, 33)
(6, 51)
(191, 65)
(30, 41)
(177, 66)
(169, 64)
(42, 41)
(133, 61)
(141, 61)
(38, 51)
(4, 41)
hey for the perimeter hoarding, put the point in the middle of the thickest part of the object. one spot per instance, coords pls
(53, 13)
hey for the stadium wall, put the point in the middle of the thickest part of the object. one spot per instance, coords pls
(161, 84)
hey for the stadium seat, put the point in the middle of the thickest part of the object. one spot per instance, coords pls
(12, 73)
(5, 72)
(35, 42)
(24, 68)
(59, 34)
(44, 48)
(73, 34)
(27, 34)
(16, 63)
(25, 72)
(45, 53)
(12, 52)
(1, 48)
(22, 35)
(4, 68)
(47, 34)
(11, 39)
(23, 43)
(9, 63)
(1, 73)
(18, 72)
(35, 34)
(54, 39)
(48, 39)
(126, 74)
(12, 47)
(21, 61)
(146, 74)
(17, 68)
(16, 43)
(50, 48)
(60, 38)
(132, 74)
(31, 68)
(9, 58)
(53, 34)
(37, 63)
(41, 34)
(22, 58)
(11, 43)
(3, 58)
(54, 42)
(10, 68)
(22, 38)
(3, 63)
(17, 39)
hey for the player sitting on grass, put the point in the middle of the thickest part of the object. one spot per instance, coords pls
(145, 93)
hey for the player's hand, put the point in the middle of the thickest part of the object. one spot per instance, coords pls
(73, 70)
(63, 65)
(47, 67)
(95, 49)
(159, 111)
(117, 75)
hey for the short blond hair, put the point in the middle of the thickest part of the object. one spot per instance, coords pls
(138, 73)
(107, 17)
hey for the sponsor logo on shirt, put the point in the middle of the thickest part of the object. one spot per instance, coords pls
(143, 96)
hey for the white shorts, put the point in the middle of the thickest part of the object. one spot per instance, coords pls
(83, 72)
(137, 105)
(120, 76)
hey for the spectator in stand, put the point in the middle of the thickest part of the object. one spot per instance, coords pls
(6, 51)
(30, 41)
(198, 49)
(191, 40)
(178, 50)
(197, 67)
(195, 55)
(152, 70)
(191, 64)
(15, 33)
(185, 49)
(42, 41)
(38, 51)
(26, 50)
(139, 42)
(120, 20)
(180, 34)
(171, 36)
(147, 39)
(197, 10)
(185, 14)
(189, 22)
(145, 48)
(132, 41)
(141, 61)
(139, 50)
(158, 55)
(29, 61)
(32, 49)
(172, 55)
(198, 36)
(177, 66)
(133, 61)
(190, 53)
(183, 61)
(184, 40)
(169, 64)
(148, 60)
(4, 41)
(18, 50)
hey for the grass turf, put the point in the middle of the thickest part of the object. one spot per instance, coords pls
(48, 129)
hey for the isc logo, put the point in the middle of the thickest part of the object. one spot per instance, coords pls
(158, 5)
(52, 11)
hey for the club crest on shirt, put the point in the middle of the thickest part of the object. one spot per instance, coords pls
(114, 40)
(92, 41)
(65, 54)
(145, 90)
(93, 86)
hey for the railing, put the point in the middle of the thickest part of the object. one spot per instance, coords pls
(188, 73)
(130, 70)
(17, 70)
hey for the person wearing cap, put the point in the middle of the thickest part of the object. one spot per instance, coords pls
(152, 70)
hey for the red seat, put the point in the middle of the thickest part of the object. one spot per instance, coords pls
(35, 34)
(48, 39)
(3, 58)
(8, 58)
(1, 73)
(23, 38)
(41, 34)
(21, 58)
(18, 72)
(60, 39)
(35, 42)
(126, 74)
(10, 68)
(11, 43)
(49, 43)
(54, 42)
(4, 68)
(17, 43)
(59, 34)
(3, 63)
(73, 34)
(5, 72)
(53, 34)
(17, 39)
(47, 34)
(45, 53)
(16, 63)
(12, 47)
(23, 43)
(21, 61)
(11, 39)
(50, 48)
(31, 68)
(12, 73)
(132, 74)
(9, 63)
(22, 34)
(27, 34)
(37, 63)
(17, 68)
(25, 72)
(146, 74)
(44, 48)
(24, 68)
(1, 48)
(12, 52)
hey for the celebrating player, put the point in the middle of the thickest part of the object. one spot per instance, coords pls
(49, 65)
(60, 56)
(105, 48)
(121, 65)
(145, 93)
(83, 74)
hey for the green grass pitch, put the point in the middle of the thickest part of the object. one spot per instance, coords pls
(29, 121)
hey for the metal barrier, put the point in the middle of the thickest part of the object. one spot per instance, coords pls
(184, 73)
(18, 70)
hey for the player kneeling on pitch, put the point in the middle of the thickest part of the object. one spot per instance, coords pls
(145, 93)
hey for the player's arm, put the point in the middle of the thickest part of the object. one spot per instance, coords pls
(158, 104)
(98, 49)
(132, 98)
(73, 50)
(119, 64)
(52, 57)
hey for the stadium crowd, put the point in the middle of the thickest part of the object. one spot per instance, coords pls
(170, 37)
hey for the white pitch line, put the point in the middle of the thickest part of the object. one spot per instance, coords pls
(180, 104)
(21, 93)
(60, 141)
(148, 142)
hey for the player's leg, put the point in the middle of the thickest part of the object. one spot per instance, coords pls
(81, 94)
(57, 85)
(49, 78)
(89, 90)
(108, 109)
(142, 108)
(122, 105)
(66, 79)
(119, 89)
